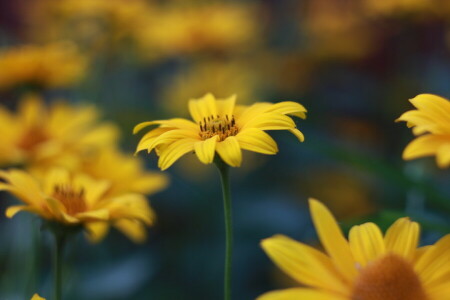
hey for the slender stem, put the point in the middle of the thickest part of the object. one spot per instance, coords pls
(224, 177)
(60, 241)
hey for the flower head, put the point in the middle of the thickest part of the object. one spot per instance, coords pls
(366, 267)
(40, 136)
(77, 199)
(431, 122)
(37, 297)
(220, 126)
(54, 65)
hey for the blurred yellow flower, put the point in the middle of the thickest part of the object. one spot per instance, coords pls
(220, 126)
(37, 297)
(366, 267)
(55, 65)
(77, 199)
(125, 173)
(431, 121)
(59, 134)
(190, 28)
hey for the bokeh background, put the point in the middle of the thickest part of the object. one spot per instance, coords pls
(352, 63)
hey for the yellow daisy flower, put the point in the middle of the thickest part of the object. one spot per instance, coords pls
(431, 121)
(125, 172)
(366, 267)
(41, 136)
(37, 297)
(55, 65)
(77, 199)
(220, 126)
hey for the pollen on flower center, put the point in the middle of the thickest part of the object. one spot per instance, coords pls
(217, 125)
(72, 199)
(389, 278)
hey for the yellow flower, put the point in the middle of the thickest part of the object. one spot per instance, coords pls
(77, 199)
(366, 267)
(220, 126)
(55, 65)
(41, 136)
(125, 172)
(431, 121)
(37, 297)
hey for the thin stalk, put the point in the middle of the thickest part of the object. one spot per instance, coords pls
(60, 241)
(224, 178)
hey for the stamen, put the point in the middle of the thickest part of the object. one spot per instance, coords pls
(220, 126)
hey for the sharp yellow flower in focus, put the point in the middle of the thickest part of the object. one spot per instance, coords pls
(220, 126)
(125, 172)
(37, 297)
(368, 266)
(431, 122)
(77, 199)
(40, 136)
(55, 65)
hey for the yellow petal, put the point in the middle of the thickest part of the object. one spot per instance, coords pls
(226, 106)
(402, 238)
(270, 121)
(56, 177)
(205, 149)
(298, 134)
(203, 107)
(37, 297)
(130, 206)
(230, 151)
(435, 106)
(443, 155)
(96, 231)
(175, 123)
(174, 151)
(300, 294)
(244, 114)
(150, 136)
(133, 229)
(425, 145)
(304, 263)
(13, 210)
(26, 186)
(172, 136)
(434, 264)
(93, 215)
(289, 108)
(366, 242)
(332, 239)
(256, 140)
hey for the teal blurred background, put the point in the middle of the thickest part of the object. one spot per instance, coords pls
(352, 64)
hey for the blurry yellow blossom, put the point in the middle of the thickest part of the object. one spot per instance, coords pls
(37, 297)
(209, 76)
(77, 199)
(431, 122)
(125, 172)
(189, 28)
(56, 65)
(220, 126)
(367, 266)
(40, 136)
(336, 29)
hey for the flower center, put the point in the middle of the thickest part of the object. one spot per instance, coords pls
(217, 125)
(32, 137)
(72, 199)
(389, 278)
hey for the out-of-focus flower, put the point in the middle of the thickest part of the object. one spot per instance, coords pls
(37, 297)
(337, 29)
(60, 134)
(367, 266)
(431, 121)
(209, 76)
(55, 65)
(77, 199)
(125, 173)
(222, 27)
(93, 24)
(220, 126)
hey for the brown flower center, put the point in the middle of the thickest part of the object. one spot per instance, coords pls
(31, 138)
(73, 200)
(217, 125)
(389, 278)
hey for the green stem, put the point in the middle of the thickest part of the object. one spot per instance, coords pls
(60, 241)
(224, 178)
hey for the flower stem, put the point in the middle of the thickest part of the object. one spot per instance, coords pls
(60, 241)
(224, 178)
